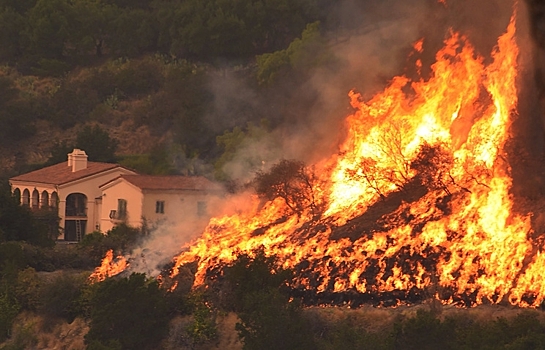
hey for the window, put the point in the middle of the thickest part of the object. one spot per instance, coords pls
(160, 207)
(121, 209)
(201, 208)
(26, 198)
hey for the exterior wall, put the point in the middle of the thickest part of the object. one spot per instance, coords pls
(40, 188)
(88, 186)
(179, 206)
(111, 195)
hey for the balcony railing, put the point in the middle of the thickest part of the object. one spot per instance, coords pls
(117, 217)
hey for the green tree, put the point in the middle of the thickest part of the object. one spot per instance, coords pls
(272, 65)
(59, 152)
(17, 222)
(300, 56)
(97, 143)
(132, 311)
(157, 162)
(20, 6)
(49, 28)
(16, 121)
(95, 26)
(11, 23)
(134, 33)
(223, 29)
(275, 23)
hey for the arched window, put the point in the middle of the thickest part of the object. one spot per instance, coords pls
(44, 203)
(17, 195)
(76, 205)
(35, 199)
(26, 197)
(53, 202)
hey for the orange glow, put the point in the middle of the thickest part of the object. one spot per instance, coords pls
(438, 144)
(109, 267)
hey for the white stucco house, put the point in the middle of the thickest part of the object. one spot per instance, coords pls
(157, 199)
(95, 196)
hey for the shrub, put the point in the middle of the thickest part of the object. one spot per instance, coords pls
(122, 238)
(202, 328)
(424, 331)
(132, 311)
(60, 296)
(27, 289)
(269, 319)
(8, 311)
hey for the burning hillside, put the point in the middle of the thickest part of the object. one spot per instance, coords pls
(416, 203)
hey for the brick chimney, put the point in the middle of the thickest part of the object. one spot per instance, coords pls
(77, 160)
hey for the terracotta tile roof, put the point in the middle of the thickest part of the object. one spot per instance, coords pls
(175, 182)
(61, 173)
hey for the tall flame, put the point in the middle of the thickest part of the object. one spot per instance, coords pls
(455, 238)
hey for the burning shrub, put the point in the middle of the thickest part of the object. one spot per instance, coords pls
(432, 165)
(291, 181)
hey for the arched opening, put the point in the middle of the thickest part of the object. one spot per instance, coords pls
(26, 197)
(17, 195)
(44, 203)
(76, 205)
(75, 217)
(35, 199)
(54, 200)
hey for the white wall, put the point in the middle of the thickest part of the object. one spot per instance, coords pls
(110, 195)
(88, 186)
(180, 206)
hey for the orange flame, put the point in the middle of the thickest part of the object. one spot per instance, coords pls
(459, 234)
(109, 267)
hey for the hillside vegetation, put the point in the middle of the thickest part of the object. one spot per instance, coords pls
(164, 78)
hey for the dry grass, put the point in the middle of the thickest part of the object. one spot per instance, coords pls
(34, 332)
